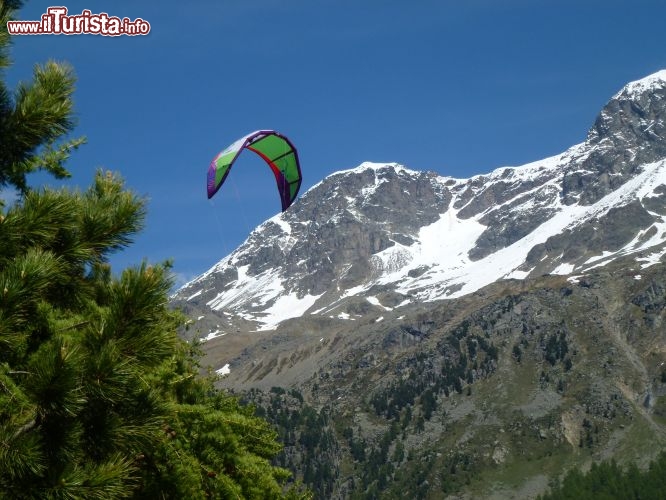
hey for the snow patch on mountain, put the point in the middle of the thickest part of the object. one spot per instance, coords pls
(225, 370)
(279, 221)
(377, 167)
(442, 247)
(262, 288)
(285, 307)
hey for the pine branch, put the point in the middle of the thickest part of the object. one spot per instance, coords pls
(51, 159)
(43, 110)
(75, 326)
(25, 428)
(7, 9)
(42, 114)
(111, 215)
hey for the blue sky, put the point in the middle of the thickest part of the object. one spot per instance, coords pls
(459, 87)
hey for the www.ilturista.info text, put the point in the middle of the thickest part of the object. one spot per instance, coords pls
(56, 21)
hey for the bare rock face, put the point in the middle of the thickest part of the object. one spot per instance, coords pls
(629, 132)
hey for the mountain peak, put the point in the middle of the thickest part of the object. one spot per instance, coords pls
(378, 167)
(630, 131)
(645, 85)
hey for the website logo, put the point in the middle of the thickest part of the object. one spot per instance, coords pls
(57, 21)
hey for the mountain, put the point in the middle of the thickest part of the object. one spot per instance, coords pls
(412, 332)
(392, 236)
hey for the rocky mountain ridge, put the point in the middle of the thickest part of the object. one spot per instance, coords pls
(407, 237)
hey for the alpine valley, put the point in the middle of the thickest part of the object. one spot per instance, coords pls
(418, 336)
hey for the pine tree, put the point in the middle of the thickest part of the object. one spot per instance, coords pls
(99, 398)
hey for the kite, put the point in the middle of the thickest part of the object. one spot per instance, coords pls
(276, 150)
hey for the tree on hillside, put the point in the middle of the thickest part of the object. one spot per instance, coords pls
(99, 398)
(610, 481)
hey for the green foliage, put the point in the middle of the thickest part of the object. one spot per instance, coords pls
(556, 348)
(459, 363)
(310, 440)
(35, 117)
(608, 480)
(517, 352)
(99, 398)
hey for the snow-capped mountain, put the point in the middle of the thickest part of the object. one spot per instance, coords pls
(382, 236)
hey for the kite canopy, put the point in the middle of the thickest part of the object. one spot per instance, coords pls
(276, 150)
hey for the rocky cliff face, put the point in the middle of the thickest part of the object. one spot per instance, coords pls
(628, 132)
